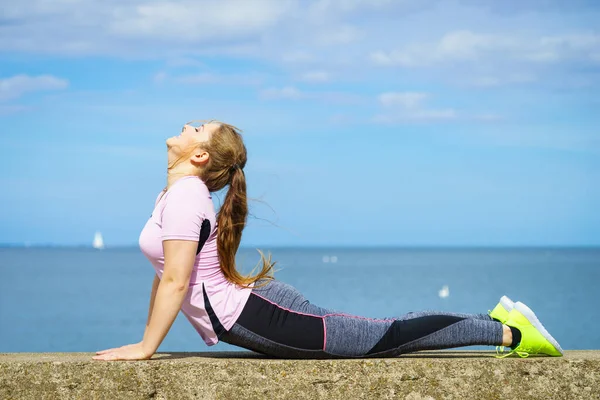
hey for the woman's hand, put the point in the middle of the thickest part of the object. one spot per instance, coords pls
(129, 352)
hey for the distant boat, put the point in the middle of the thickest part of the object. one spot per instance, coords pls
(98, 241)
(444, 292)
(331, 259)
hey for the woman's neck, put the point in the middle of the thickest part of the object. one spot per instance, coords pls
(175, 174)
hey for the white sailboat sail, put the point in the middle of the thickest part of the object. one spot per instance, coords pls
(98, 241)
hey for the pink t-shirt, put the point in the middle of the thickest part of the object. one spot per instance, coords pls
(179, 214)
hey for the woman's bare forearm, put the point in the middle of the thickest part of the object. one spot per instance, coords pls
(169, 298)
(152, 296)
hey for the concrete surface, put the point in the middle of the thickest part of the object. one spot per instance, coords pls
(245, 375)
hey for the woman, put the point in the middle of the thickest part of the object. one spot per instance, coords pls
(193, 252)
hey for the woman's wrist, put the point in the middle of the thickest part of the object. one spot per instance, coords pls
(147, 350)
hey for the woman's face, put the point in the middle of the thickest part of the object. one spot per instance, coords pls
(191, 135)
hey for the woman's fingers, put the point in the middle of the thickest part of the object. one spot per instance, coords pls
(106, 357)
(107, 350)
(128, 352)
(115, 348)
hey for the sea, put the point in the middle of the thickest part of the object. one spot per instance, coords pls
(84, 300)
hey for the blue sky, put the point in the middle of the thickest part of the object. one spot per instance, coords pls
(368, 122)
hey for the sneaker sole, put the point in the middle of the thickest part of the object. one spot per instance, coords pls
(507, 303)
(526, 311)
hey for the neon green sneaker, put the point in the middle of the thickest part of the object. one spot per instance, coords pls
(500, 312)
(535, 339)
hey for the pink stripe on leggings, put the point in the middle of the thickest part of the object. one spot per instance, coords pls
(324, 334)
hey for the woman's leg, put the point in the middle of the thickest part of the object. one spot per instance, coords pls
(280, 322)
(410, 315)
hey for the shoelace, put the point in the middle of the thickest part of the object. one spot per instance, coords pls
(522, 354)
(499, 350)
(520, 350)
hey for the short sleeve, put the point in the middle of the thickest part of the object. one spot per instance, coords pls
(182, 214)
(160, 195)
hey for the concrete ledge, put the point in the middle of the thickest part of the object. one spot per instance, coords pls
(244, 375)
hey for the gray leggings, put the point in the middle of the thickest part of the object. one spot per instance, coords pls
(279, 322)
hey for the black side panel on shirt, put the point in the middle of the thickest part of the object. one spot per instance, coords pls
(216, 324)
(406, 331)
(282, 326)
(204, 234)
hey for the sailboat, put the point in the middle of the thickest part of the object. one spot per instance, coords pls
(98, 241)
(444, 292)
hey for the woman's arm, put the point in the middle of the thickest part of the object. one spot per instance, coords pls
(152, 296)
(180, 256)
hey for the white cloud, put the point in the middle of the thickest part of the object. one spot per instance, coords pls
(196, 20)
(408, 106)
(466, 46)
(489, 60)
(303, 37)
(18, 85)
(293, 93)
(184, 29)
(403, 107)
(138, 28)
(567, 47)
(452, 47)
(315, 77)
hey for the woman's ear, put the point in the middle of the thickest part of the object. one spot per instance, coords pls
(200, 156)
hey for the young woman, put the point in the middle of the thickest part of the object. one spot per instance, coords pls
(192, 249)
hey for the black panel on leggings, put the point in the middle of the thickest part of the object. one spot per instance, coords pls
(406, 331)
(204, 234)
(216, 324)
(282, 326)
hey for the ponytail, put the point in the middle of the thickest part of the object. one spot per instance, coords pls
(231, 221)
